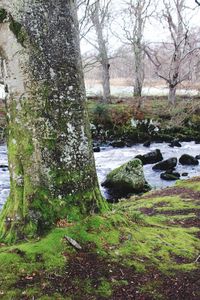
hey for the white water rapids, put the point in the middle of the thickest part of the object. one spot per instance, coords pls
(110, 158)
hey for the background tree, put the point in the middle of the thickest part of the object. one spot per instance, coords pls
(50, 156)
(135, 15)
(96, 18)
(175, 59)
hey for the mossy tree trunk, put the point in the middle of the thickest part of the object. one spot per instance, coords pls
(51, 162)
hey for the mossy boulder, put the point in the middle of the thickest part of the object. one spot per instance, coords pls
(128, 178)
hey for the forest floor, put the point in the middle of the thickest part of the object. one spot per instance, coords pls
(144, 248)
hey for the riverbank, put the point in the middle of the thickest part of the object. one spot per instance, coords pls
(144, 248)
(127, 121)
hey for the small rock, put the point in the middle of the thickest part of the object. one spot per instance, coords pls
(175, 143)
(170, 175)
(3, 166)
(197, 156)
(96, 149)
(166, 164)
(118, 144)
(147, 144)
(187, 159)
(151, 157)
(184, 174)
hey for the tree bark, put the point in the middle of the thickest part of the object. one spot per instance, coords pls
(172, 95)
(51, 161)
(138, 50)
(106, 80)
(139, 73)
(103, 55)
(180, 38)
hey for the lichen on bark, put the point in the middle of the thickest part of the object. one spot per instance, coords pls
(50, 154)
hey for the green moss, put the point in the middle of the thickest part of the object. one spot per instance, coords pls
(122, 236)
(3, 15)
(104, 289)
(18, 31)
(193, 185)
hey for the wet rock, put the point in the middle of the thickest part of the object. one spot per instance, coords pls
(128, 178)
(3, 166)
(175, 143)
(187, 159)
(197, 157)
(118, 144)
(170, 175)
(184, 174)
(147, 144)
(129, 143)
(151, 157)
(165, 165)
(96, 149)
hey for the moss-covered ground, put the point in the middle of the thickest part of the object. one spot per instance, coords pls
(143, 248)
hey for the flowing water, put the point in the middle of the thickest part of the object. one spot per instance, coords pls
(110, 158)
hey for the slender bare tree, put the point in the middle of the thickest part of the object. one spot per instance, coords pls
(135, 15)
(174, 59)
(96, 19)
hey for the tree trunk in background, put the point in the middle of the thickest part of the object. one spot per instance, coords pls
(138, 51)
(179, 40)
(51, 161)
(106, 80)
(139, 72)
(102, 55)
(172, 95)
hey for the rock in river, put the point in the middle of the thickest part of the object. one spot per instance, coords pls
(167, 164)
(187, 159)
(118, 144)
(96, 149)
(170, 175)
(128, 178)
(147, 144)
(151, 157)
(175, 143)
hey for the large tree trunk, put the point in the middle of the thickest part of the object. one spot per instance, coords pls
(50, 156)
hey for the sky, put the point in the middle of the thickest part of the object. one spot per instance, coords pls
(155, 32)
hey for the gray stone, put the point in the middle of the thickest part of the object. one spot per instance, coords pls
(151, 157)
(166, 164)
(128, 178)
(187, 159)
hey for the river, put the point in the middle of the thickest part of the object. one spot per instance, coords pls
(110, 158)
